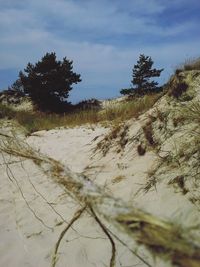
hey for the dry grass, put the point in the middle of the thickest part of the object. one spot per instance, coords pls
(192, 111)
(118, 136)
(179, 181)
(192, 64)
(118, 179)
(162, 238)
(130, 109)
(188, 64)
(35, 121)
(178, 120)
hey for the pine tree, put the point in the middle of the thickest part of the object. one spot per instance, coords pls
(48, 82)
(141, 77)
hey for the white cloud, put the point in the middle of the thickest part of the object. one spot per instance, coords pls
(30, 31)
(107, 17)
(97, 17)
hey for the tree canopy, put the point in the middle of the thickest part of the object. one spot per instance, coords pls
(141, 77)
(48, 82)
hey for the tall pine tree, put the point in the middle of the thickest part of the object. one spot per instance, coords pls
(141, 77)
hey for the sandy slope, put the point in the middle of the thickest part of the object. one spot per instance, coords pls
(34, 209)
(122, 174)
(73, 147)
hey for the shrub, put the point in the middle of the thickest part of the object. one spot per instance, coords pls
(89, 104)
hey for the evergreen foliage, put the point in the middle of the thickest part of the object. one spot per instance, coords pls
(48, 82)
(141, 77)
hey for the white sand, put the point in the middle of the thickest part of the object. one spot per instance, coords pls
(32, 206)
(32, 209)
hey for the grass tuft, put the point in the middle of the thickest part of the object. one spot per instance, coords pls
(189, 64)
(192, 64)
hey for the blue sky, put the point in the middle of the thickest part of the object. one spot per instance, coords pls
(103, 38)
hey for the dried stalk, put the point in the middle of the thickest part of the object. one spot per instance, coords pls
(113, 256)
(75, 218)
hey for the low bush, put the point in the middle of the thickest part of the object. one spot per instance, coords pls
(89, 104)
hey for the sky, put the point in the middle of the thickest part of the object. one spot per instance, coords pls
(104, 38)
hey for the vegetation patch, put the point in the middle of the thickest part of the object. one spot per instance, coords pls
(118, 179)
(35, 120)
(192, 111)
(118, 133)
(180, 182)
(130, 108)
(178, 120)
(148, 133)
(176, 86)
(141, 150)
(190, 64)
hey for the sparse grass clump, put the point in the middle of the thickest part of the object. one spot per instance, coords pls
(178, 120)
(192, 112)
(132, 108)
(192, 64)
(189, 112)
(180, 182)
(189, 64)
(6, 112)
